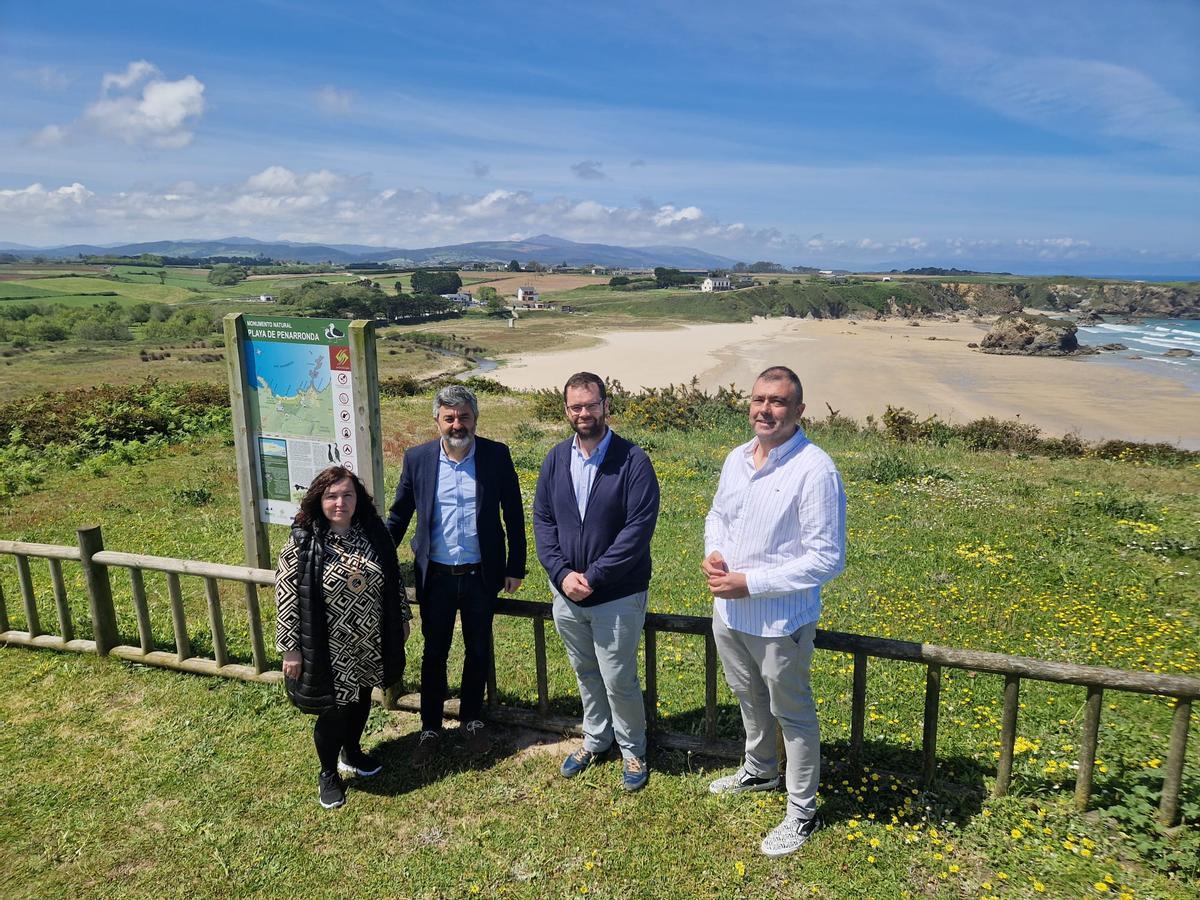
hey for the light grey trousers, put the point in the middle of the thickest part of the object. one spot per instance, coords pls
(770, 678)
(602, 645)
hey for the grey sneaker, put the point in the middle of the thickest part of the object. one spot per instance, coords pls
(741, 782)
(789, 836)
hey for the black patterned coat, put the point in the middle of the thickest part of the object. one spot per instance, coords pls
(368, 644)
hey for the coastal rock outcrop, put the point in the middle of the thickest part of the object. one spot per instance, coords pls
(1181, 352)
(986, 299)
(1029, 335)
(1117, 298)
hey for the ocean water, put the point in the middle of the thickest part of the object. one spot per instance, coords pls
(1148, 340)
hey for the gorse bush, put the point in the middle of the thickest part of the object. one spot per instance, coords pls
(101, 426)
(408, 386)
(674, 408)
(101, 416)
(1021, 437)
(684, 407)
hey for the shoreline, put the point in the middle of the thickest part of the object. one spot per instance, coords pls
(861, 368)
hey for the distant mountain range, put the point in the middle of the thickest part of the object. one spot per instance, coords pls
(543, 248)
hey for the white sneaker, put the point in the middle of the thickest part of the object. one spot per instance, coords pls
(741, 782)
(789, 836)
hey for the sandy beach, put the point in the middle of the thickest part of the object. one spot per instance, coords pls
(860, 368)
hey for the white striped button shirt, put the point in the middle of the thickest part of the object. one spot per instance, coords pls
(784, 527)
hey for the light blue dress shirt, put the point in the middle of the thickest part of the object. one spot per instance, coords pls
(584, 469)
(454, 539)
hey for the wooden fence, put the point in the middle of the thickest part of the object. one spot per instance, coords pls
(97, 563)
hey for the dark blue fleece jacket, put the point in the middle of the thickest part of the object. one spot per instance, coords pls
(611, 546)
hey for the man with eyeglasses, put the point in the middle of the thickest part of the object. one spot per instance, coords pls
(776, 532)
(461, 488)
(594, 513)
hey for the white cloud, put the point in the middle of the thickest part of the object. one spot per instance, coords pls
(137, 106)
(36, 201)
(669, 215)
(587, 211)
(48, 78)
(1083, 95)
(134, 72)
(273, 180)
(50, 136)
(333, 101)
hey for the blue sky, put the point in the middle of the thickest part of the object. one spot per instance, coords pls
(1049, 136)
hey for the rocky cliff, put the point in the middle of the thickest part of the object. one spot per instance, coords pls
(1116, 298)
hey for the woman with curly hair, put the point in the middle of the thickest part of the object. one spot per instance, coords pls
(343, 621)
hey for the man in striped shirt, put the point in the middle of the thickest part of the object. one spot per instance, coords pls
(776, 532)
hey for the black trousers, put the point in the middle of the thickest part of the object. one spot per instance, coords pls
(341, 727)
(446, 595)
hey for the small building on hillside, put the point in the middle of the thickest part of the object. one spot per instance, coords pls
(463, 297)
(715, 283)
(526, 294)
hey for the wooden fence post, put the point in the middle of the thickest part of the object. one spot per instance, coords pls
(1008, 734)
(1168, 810)
(858, 708)
(710, 687)
(651, 693)
(933, 695)
(33, 623)
(1087, 747)
(99, 588)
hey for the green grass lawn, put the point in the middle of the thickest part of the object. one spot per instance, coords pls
(1079, 560)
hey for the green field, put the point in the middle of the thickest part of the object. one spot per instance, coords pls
(178, 784)
(138, 284)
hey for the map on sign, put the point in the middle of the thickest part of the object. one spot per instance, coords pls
(293, 387)
(301, 404)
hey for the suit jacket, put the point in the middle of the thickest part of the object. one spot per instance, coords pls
(497, 496)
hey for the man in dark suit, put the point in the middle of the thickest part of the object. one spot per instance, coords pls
(461, 487)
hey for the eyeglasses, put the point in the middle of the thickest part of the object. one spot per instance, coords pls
(579, 408)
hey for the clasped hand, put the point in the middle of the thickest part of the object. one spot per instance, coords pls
(575, 587)
(721, 582)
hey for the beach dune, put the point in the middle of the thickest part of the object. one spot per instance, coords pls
(861, 368)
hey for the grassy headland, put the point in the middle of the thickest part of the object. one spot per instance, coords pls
(125, 781)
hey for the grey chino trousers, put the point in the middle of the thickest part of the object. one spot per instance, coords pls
(770, 678)
(602, 645)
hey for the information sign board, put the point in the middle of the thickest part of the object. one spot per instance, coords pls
(305, 396)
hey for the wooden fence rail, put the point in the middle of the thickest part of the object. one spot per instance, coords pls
(97, 564)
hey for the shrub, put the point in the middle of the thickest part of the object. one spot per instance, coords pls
(903, 425)
(100, 417)
(683, 407)
(992, 434)
(890, 467)
(399, 386)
